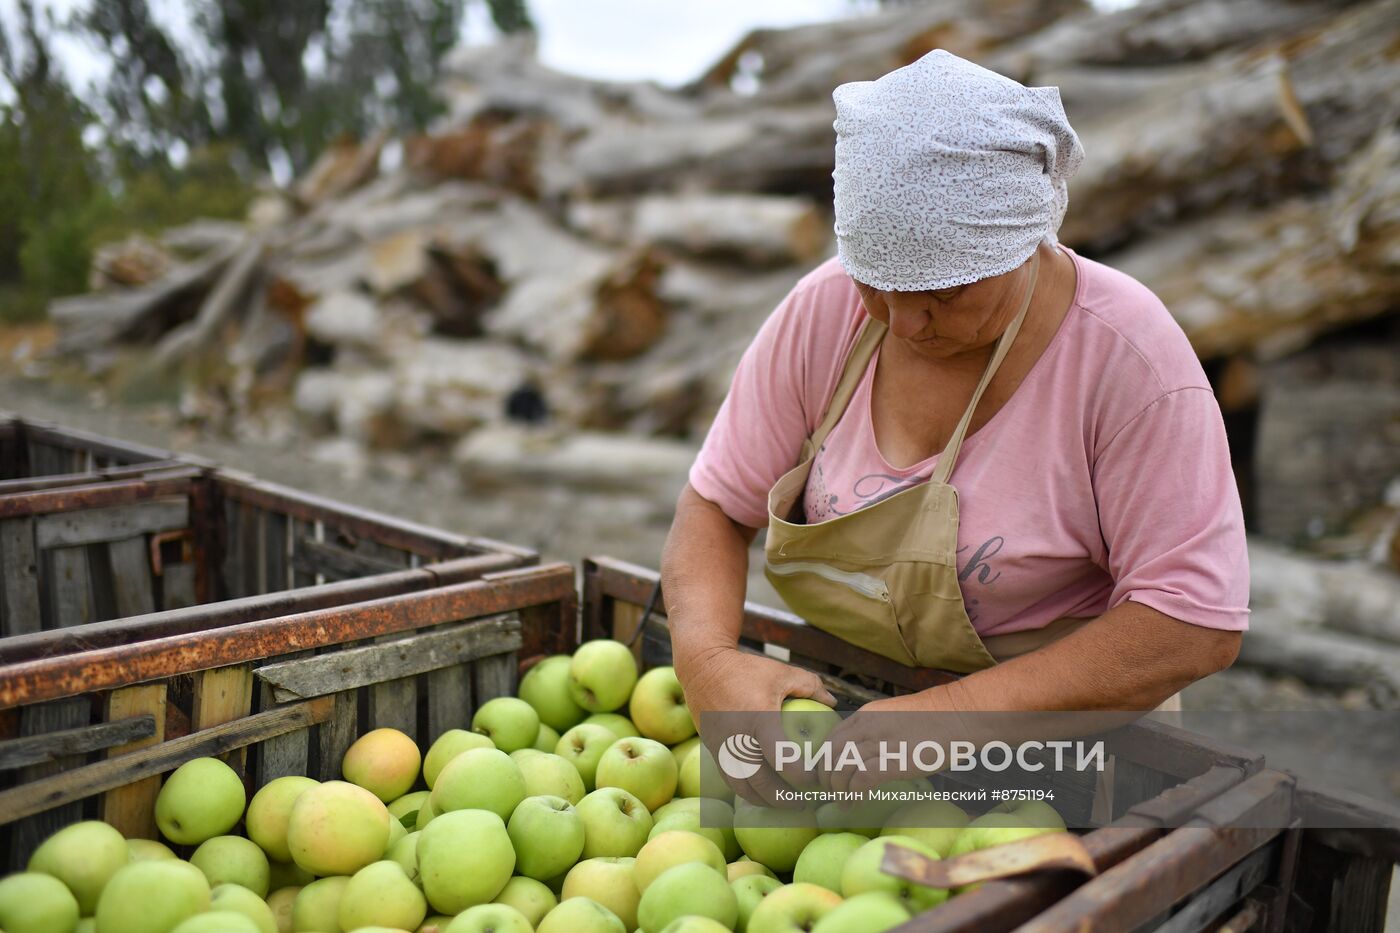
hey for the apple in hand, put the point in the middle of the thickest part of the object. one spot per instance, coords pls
(642, 766)
(582, 746)
(202, 799)
(749, 892)
(608, 881)
(808, 722)
(825, 857)
(548, 774)
(490, 918)
(658, 707)
(84, 856)
(615, 823)
(862, 873)
(35, 902)
(465, 858)
(547, 834)
(509, 722)
(872, 912)
(602, 674)
(546, 687)
(669, 849)
(448, 746)
(581, 915)
(532, 898)
(692, 889)
(479, 779)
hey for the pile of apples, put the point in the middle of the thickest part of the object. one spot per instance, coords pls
(557, 813)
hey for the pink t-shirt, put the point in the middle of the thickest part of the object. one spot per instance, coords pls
(1105, 477)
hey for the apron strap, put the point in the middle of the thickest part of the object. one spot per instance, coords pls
(867, 341)
(949, 457)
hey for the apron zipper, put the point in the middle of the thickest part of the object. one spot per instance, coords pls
(862, 583)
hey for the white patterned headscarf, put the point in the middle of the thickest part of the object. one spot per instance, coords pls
(947, 173)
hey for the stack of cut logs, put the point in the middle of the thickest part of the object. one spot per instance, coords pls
(558, 280)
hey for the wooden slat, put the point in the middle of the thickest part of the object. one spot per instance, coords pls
(336, 563)
(251, 528)
(284, 754)
(41, 719)
(222, 695)
(1206, 905)
(131, 808)
(114, 523)
(19, 578)
(494, 677)
(627, 617)
(275, 571)
(178, 586)
(69, 592)
(17, 753)
(353, 668)
(449, 700)
(131, 577)
(103, 776)
(393, 704)
(337, 733)
(301, 531)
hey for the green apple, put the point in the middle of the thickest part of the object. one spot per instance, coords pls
(489, 918)
(602, 674)
(35, 902)
(142, 849)
(405, 853)
(509, 722)
(84, 856)
(581, 915)
(716, 813)
(862, 873)
(547, 834)
(673, 848)
(384, 762)
(240, 900)
(269, 811)
(744, 868)
(994, 829)
(546, 739)
(683, 890)
(821, 862)
(282, 901)
(217, 921)
(152, 897)
(86, 925)
(773, 836)
(793, 907)
(871, 912)
(202, 799)
(287, 875)
(548, 774)
(615, 823)
(381, 894)
(405, 809)
(608, 881)
(749, 892)
(681, 749)
(935, 823)
(480, 779)
(808, 722)
(532, 898)
(658, 707)
(546, 687)
(317, 906)
(232, 860)
(643, 766)
(1032, 813)
(700, 777)
(695, 925)
(337, 828)
(616, 723)
(465, 858)
(448, 746)
(434, 923)
(582, 746)
(425, 814)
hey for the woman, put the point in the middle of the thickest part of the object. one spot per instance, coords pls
(972, 449)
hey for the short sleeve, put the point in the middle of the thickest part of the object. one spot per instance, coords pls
(1170, 513)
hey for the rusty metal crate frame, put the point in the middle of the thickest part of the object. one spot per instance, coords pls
(36, 454)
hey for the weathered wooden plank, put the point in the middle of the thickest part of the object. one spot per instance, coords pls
(284, 754)
(494, 677)
(337, 732)
(275, 572)
(232, 569)
(627, 618)
(69, 591)
(19, 578)
(178, 586)
(353, 668)
(92, 779)
(251, 528)
(131, 808)
(113, 523)
(130, 560)
(1206, 905)
(301, 531)
(222, 695)
(449, 699)
(35, 749)
(38, 720)
(336, 563)
(394, 705)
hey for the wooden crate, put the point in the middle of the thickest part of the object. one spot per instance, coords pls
(39, 455)
(279, 696)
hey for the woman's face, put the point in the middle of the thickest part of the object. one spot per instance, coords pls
(949, 322)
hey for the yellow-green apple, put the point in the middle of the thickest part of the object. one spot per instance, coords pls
(546, 687)
(141, 849)
(549, 774)
(608, 881)
(448, 746)
(269, 811)
(995, 829)
(681, 749)
(35, 902)
(615, 823)
(695, 925)
(384, 762)
(862, 873)
(317, 906)
(547, 835)
(773, 836)
(701, 777)
(425, 814)
(658, 707)
(581, 915)
(669, 849)
(935, 823)
(642, 766)
(582, 746)
(152, 897)
(434, 923)
(546, 739)
(236, 898)
(287, 875)
(616, 723)
(509, 722)
(749, 891)
(464, 858)
(480, 779)
(692, 889)
(744, 868)
(405, 853)
(405, 809)
(337, 828)
(202, 799)
(1032, 813)
(532, 898)
(84, 856)
(282, 901)
(713, 819)
(871, 912)
(217, 921)
(793, 907)
(381, 894)
(232, 860)
(489, 918)
(602, 674)
(821, 862)
(808, 722)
